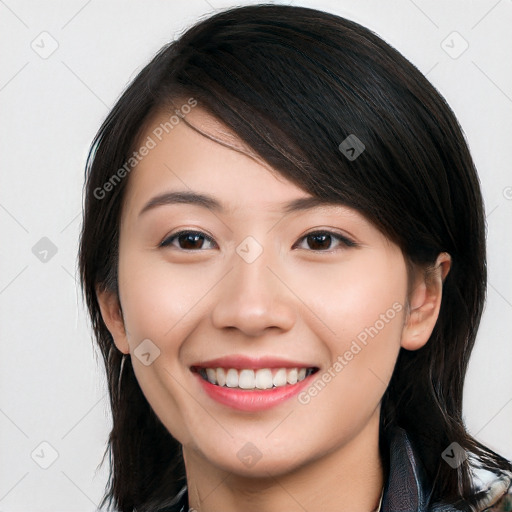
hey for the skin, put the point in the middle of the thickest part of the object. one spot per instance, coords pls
(294, 301)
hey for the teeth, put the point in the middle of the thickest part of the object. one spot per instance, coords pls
(232, 378)
(246, 379)
(210, 373)
(280, 378)
(264, 378)
(291, 376)
(221, 377)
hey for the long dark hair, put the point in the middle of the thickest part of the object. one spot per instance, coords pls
(293, 83)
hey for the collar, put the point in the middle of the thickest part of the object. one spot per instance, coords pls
(406, 488)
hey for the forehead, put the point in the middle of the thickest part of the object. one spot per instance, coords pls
(201, 154)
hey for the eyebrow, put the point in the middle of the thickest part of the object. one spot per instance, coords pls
(209, 202)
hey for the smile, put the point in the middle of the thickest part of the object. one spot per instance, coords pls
(252, 389)
(249, 379)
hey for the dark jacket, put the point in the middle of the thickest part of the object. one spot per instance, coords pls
(406, 488)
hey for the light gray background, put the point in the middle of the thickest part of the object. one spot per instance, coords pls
(52, 383)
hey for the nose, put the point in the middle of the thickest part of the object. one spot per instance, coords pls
(254, 298)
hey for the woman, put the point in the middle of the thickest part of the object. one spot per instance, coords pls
(283, 256)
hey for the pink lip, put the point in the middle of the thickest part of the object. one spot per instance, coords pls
(252, 400)
(240, 362)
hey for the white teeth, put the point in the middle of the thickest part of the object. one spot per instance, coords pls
(264, 378)
(211, 374)
(232, 378)
(280, 377)
(221, 377)
(246, 379)
(291, 377)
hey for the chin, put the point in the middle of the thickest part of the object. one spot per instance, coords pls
(247, 460)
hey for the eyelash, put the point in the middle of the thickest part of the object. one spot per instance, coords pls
(341, 238)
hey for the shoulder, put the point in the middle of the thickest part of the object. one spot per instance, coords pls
(503, 503)
(496, 495)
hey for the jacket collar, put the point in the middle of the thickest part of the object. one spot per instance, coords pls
(406, 488)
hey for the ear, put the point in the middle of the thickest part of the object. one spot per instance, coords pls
(113, 318)
(425, 303)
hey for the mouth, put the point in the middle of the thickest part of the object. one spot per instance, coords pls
(254, 379)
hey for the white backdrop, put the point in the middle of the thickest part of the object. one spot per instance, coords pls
(63, 65)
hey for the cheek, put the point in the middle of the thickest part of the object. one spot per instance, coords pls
(361, 308)
(368, 290)
(157, 297)
(158, 303)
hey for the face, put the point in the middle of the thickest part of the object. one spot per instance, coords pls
(243, 285)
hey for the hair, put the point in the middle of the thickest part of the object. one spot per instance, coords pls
(293, 83)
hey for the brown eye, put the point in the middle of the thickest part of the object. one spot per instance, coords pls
(322, 240)
(188, 240)
(319, 241)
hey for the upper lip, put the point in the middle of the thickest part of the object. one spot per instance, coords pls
(240, 362)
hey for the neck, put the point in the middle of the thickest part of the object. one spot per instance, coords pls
(349, 478)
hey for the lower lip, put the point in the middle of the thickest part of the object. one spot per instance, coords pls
(253, 400)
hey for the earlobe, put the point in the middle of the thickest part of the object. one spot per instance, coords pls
(113, 317)
(425, 303)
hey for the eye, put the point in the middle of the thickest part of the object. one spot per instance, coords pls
(318, 241)
(322, 240)
(187, 240)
